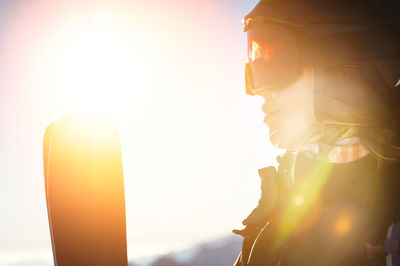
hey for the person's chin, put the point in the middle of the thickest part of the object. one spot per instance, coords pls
(281, 141)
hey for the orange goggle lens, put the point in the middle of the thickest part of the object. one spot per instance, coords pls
(272, 57)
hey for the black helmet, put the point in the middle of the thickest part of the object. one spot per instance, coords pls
(352, 46)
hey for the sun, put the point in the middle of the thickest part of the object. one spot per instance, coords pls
(93, 61)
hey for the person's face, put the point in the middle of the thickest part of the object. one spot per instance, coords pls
(289, 112)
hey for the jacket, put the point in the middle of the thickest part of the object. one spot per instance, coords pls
(334, 214)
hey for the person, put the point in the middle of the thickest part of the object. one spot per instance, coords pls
(329, 72)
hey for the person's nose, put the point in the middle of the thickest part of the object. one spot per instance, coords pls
(263, 92)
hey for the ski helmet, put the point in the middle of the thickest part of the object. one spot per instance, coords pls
(352, 46)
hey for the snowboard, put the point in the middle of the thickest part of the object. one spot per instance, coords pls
(84, 187)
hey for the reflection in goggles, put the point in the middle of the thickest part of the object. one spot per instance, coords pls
(258, 49)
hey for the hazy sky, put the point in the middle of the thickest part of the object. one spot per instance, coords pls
(171, 73)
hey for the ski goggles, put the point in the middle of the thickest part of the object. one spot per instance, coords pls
(278, 54)
(273, 61)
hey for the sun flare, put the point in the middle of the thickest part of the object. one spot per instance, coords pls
(93, 61)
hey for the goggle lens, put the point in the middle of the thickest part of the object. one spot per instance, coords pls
(272, 58)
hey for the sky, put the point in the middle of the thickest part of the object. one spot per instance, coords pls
(171, 74)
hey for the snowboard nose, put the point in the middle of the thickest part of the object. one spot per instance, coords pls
(85, 191)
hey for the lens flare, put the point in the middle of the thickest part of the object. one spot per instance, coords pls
(299, 200)
(343, 225)
(305, 195)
